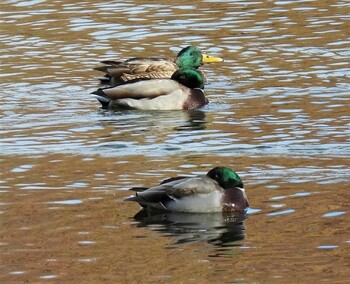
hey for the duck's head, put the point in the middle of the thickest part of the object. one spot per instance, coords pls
(225, 177)
(191, 56)
(189, 77)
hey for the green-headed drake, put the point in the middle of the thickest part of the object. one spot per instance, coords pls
(184, 90)
(220, 190)
(118, 72)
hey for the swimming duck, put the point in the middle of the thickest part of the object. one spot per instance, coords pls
(184, 90)
(118, 72)
(220, 190)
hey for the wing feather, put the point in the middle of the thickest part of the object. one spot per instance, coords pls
(174, 189)
(179, 188)
(139, 67)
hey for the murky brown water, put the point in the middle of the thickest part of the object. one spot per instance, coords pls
(278, 114)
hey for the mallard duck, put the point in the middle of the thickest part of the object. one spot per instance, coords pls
(118, 72)
(184, 90)
(220, 190)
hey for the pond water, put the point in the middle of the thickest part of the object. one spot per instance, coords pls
(278, 114)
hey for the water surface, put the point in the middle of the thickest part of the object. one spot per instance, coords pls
(278, 114)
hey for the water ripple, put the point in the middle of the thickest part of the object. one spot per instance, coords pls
(278, 113)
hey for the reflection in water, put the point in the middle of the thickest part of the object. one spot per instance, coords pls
(196, 121)
(177, 120)
(220, 229)
(161, 132)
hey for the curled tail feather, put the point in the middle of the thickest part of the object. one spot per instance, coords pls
(101, 97)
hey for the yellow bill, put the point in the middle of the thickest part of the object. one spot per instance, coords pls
(210, 59)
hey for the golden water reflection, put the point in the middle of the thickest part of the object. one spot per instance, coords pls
(278, 114)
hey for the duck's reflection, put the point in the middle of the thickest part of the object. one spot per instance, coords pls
(195, 120)
(177, 120)
(220, 229)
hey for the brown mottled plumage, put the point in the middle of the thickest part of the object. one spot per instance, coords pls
(119, 72)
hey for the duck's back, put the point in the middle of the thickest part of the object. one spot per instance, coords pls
(118, 72)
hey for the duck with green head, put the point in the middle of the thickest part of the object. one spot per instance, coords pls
(184, 90)
(220, 190)
(118, 72)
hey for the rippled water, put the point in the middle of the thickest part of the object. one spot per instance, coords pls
(278, 114)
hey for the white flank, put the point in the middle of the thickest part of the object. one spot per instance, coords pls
(173, 101)
(198, 203)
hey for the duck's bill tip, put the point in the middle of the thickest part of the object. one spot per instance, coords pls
(210, 59)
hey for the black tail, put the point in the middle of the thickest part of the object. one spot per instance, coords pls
(101, 97)
(138, 189)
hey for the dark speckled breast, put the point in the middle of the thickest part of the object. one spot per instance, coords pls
(234, 200)
(195, 100)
